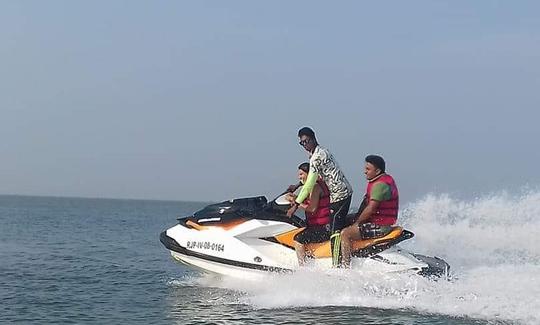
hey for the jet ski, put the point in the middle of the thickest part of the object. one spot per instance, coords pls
(250, 237)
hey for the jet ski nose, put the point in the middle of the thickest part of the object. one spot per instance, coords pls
(167, 241)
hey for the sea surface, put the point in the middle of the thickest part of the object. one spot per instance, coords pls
(99, 261)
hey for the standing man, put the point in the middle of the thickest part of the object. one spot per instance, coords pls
(380, 208)
(323, 164)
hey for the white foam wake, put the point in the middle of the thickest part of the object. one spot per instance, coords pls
(492, 243)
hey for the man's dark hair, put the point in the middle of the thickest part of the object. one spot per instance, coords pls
(304, 167)
(376, 161)
(307, 132)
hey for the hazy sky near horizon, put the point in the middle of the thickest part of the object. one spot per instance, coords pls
(202, 100)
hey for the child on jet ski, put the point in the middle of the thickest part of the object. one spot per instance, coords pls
(317, 208)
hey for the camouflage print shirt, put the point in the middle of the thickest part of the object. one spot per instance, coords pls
(325, 165)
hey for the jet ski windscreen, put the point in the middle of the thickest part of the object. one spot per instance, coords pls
(282, 200)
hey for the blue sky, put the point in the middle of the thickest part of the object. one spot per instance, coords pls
(202, 100)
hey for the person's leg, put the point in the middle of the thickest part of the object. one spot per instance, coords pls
(300, 240)
(311, 234)
(348, 235)
(371, 230)
(300, 253)
(339, 212)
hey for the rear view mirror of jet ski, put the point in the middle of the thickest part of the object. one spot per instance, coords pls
(250, 237)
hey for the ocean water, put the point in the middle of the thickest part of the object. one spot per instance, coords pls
(99, 261)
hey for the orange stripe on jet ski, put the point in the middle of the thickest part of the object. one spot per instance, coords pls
(287, 238)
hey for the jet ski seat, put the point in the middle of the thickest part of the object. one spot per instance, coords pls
(360, 247)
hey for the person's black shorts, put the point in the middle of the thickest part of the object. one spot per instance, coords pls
(313, 234)
(371, 230)
(339, 212)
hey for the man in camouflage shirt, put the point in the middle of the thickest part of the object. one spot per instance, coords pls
(323, 164)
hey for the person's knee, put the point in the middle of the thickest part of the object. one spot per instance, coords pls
(346, 233)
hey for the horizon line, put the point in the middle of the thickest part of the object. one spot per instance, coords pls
(100, 198)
